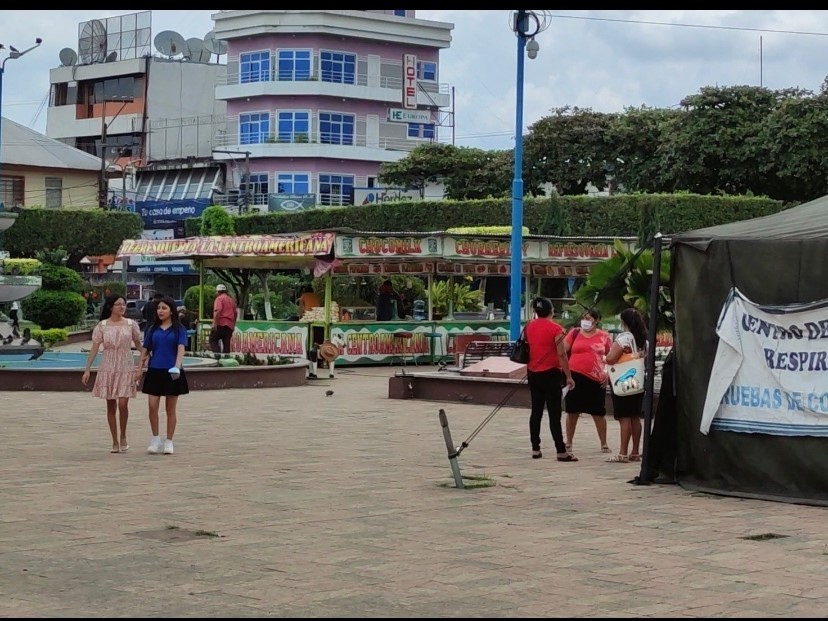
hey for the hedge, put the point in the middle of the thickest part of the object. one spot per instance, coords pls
(623, 215)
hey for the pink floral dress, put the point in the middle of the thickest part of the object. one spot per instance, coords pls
(116, 374)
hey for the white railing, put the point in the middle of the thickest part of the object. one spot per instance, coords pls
(390, 144)
(359, 79)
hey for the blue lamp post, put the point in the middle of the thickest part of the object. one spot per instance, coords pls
(13, 54)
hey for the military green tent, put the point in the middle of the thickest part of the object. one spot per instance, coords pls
(774, 260)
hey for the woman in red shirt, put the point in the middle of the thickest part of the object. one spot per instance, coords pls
(545, 373)
(587, 347)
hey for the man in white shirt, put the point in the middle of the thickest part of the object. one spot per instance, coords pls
(14, 315)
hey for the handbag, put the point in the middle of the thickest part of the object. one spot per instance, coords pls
(520, 350)
(626, 376)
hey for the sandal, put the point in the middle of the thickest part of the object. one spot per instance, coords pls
(606, 449)
(124, 447)
(567, 457)
(116, 448)
(618, 459)
(536, 454)
(635, 457)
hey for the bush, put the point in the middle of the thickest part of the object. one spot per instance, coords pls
(20, 267)
(191, 300)
(58, 278)
(54, 309)
(216, 220)
(49, 338)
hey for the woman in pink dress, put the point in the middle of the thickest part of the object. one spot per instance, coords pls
(115, 379)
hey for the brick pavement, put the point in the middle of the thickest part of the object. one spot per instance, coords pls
(337, 507)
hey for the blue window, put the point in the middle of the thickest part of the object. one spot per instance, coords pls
(427, 71)
(259, 184)
(254, 128)
(294, 126)
(421, 130)
(294, 65)
(254, 67)
(336, 189)
(399, 13)
(336, 128)
(337, 67)
(293, 183)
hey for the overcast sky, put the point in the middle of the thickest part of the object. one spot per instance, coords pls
(603, 60)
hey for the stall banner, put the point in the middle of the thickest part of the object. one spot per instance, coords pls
(579, 251)
(375, 342)
(476, 248)
(356, 246)
(270, 338)
(380, 269)
(311, 244)
(558, 271)
(769, 374)
(479, 269)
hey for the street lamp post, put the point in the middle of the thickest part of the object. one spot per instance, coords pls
(526, 25)
(14, 54)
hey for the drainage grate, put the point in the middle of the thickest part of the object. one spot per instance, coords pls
(764, 537)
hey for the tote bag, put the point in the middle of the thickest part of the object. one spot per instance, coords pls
(627, 376)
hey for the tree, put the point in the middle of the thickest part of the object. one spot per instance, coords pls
(426, 163)
(217, 220)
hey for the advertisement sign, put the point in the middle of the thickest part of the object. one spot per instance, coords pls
(399, 115)
(479, 269)
(311, 244)
(558, 271)
(163, 214)
(291, 202)
(770, 368)
(577, 250)
(354, 246)
(376, 342)
(378, 196)
(409, 94)
(474, 248)
(270, 338)
(380, 269)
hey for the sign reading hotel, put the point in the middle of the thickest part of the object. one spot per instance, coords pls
(358, 246)
(409, 95)
(583, 251)
(471, 248)
(314, 244)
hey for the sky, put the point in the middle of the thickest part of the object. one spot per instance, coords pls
(605, 61)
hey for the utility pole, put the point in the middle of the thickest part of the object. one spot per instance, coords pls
(103, 186)
(244, 199)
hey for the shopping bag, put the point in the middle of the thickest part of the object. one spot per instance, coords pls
(627, 377)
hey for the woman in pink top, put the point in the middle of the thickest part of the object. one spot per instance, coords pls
(587, 346)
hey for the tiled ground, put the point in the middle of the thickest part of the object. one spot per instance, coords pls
(285, 502)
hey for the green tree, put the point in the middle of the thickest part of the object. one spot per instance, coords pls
(217, 220)
(54, 309)
(426, 163)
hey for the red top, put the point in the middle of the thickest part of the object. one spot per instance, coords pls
(586, 354)
(224, 311)
(542, 335)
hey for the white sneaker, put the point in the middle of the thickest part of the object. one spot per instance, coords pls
(168, 447)
(155, 446)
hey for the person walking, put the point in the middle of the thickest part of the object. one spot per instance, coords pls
(149, 310)
(546, 371)
(115, 379)
(162, 360)
(632, 342)
(225, 313)
(587, 346)
(14, 315)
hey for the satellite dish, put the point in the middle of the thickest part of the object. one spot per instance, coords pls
(196, 52)
(68, 57)
(170, 43)
(213, 45)
(111, 57)
(92, 42)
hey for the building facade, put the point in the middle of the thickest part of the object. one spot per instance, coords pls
(318, 100)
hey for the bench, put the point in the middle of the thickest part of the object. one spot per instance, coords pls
(480, 350)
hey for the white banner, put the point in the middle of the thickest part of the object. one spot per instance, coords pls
(769, 375)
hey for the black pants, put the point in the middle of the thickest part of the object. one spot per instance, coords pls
(545, 389)
(221, 335)
(15, 320)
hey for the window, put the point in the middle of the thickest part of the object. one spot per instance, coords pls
(12, 190)
(337, 67)
(254, 128)
(294, 126)
(293, 183)
(399, 12)
(254, 67)
(336, 128)
(427, 71)
(421, 130)
(117, 89)
(294, 65)
(336, 189)
(259, 188)
(181, 183)
(54, 192)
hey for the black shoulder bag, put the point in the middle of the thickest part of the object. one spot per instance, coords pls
(520, 350)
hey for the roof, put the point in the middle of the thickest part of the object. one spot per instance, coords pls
(806, 221)
(25, 147)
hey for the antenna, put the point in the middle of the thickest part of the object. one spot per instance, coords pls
(111, 57)
(169, 43)
(68, 57)
(92, 42)
(196, 52)
(213, 45)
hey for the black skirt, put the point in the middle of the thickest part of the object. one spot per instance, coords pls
(588, 397)
(631, 406)
(159, 382)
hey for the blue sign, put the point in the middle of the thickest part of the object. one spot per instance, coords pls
(165, 268)
(162, 214)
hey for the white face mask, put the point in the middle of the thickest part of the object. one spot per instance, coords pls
(586, 326)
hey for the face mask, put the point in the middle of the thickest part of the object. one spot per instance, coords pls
(586, 326)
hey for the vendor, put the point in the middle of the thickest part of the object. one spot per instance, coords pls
(307, 300)
(389, 303)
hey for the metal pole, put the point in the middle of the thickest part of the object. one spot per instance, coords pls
(123, 188)
(102, 191)
(328, 300)
(452, 452)
(517, 186)
(247, 196)
(2, 71)
(649, 379)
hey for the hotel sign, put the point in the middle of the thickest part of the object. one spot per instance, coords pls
(398, 115)
(409, 95)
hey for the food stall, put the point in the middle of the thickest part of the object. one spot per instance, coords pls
(355, 254)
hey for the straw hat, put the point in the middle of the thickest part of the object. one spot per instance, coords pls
(328, 351)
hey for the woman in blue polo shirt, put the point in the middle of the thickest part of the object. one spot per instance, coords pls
(164, 345)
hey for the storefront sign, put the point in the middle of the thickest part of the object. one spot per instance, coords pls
(162, 214)
(769, 372)
(291, 202)
(313, 244)
(357, 246)
(398, 115)
(378, 196)
(479, 269)
(474, 248)
(270, 338)
(584, 251)
(376, 342)
(557, 271)
(383, 268)
(409, 94)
